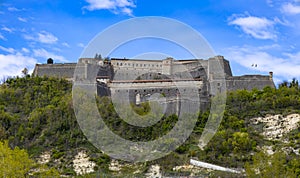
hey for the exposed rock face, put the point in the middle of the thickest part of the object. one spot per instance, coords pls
(154, 172)
(276, 126)
(44, 157)
(82, 164)
(268, 150)
(114, 165)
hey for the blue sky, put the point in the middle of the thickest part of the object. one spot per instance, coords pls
(265, 32)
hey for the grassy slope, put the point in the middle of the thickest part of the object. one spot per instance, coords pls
(37, 114)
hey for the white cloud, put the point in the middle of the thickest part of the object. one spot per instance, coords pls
(22, 19)
(46, 54)
(13, 64)
(2, 37)
(260, 28)
(25, 50)
(285, 67)
(43, 37)
(46, 37)
(13, 9)
(290, 9)
(81, 45)
(270, 2)
(10, 30)
(66, 44)
(128, 11)
(9, 50)
(116, 6)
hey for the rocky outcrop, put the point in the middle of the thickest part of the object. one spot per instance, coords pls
(154, 172)
(115, 165)
(82, 164)
(44, 157)
(277, 126)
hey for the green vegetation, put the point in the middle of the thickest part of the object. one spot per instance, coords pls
(16, 163)
(36, 115)
(275, 165)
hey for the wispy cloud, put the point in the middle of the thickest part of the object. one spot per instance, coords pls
(285, 67)
(66, 44)
(46, 37)
(116, 6)
(257, 27)
(2, 37)
(46, 54)
(13, 64)
(22, 19)
(9, 50)
(10, 30)
(43, 37)
(270, 2)
(13, 9)
(81, 45)
(25, 50)
(290, 9)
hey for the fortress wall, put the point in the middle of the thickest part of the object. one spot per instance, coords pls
(131, 69)
(249, 82)
(227, 68)
(214, 69)
(124, 91)
(137, 64)
(183, 67)
(55, 70)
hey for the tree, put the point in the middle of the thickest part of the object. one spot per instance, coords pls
(265, 166)
(25, 71)
(14, 162)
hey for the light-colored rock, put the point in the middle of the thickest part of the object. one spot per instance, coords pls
(276, 126)
(268, 149)
(82, 164)
(114, 165)
(44, 157)
(154, 172)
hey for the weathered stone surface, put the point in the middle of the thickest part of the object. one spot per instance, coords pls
(82, 164)
(277, 126)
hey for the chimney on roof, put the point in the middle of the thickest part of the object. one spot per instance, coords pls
(50, 61)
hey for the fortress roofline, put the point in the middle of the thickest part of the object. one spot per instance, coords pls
(56, 64)
(125, 59)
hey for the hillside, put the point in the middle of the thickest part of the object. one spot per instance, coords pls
(259, 130)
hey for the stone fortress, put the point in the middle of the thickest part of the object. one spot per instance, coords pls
(139, 79)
